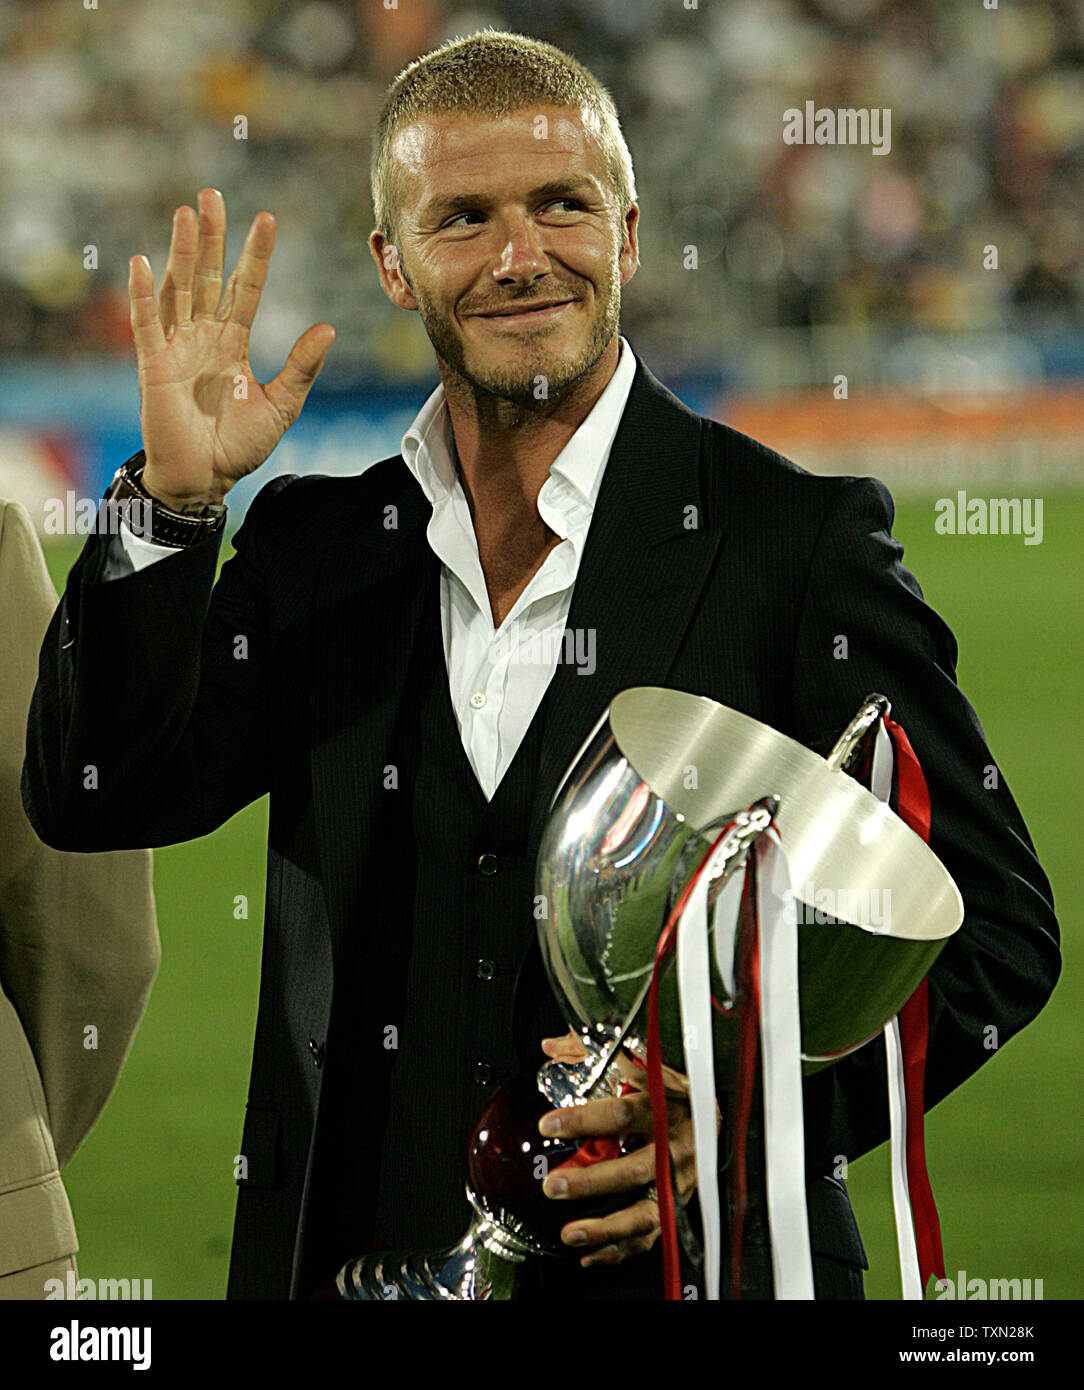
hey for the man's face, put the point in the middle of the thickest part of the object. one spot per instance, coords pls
(506, 215)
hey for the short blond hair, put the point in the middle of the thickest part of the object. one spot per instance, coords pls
(490, 74)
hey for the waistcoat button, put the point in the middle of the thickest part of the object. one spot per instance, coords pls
(487, 864)
(483, 1073)
(485, 969)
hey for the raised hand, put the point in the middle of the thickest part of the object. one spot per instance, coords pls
(206, 420)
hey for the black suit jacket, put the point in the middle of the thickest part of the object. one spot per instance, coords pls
(711, 565)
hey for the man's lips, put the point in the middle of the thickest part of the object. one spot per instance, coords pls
(525, 313)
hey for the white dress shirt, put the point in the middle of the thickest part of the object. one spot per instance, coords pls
(497, 676)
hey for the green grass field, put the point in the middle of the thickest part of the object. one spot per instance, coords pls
(152, 1188)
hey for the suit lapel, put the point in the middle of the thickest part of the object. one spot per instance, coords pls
(648, 554)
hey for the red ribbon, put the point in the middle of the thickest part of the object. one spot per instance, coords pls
(914, 1018)
(598, 1149)
(748, 1039)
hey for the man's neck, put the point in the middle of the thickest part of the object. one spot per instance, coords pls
(504, 453)
(505, 449)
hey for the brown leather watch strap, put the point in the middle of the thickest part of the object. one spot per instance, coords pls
(167, 527)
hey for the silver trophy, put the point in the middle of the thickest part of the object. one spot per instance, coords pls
(660, 778)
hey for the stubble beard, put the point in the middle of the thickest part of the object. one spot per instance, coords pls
(521, 383)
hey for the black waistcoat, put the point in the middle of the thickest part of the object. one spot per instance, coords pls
(471, 925)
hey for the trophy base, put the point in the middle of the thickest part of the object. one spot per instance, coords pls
(485, 1265)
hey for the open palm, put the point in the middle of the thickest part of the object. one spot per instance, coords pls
(206, 420)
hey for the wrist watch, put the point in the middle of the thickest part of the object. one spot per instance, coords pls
(167, 527)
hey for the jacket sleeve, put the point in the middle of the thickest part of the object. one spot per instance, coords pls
(1000, 967)
(151, 720)
(78, 934)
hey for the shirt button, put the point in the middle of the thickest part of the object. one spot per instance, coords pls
(477, 700)
(485, 969)
(483, 1073)
(487, 864)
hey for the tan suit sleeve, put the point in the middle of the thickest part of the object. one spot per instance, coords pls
(79, 944)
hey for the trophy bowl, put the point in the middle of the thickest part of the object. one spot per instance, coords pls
(660, 775)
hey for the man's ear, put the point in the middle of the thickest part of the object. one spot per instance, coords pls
(630, 249)
(393, 278)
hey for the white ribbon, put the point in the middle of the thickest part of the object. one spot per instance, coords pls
(694, 999)
(884, 762)
(781, 1042)
(725, 932)
(880, 782)
(910, 1278)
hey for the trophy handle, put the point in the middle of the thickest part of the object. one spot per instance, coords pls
(854, 742)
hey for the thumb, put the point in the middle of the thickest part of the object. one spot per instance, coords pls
(568, 1048)
(288, 390)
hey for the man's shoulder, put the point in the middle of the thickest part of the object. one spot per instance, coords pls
(748, 473)
(318, 489)
(298, 498)
(755, 468)
(762, 491)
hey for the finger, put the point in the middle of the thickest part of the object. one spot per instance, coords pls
(242, 297)
(632, 1073)
(146, 325)
(288, 390)
(211, 251)
(617, 1254)
(624, 1174)
(629, 1114)
(176, 294)
(635, 1074)
(638, 1222)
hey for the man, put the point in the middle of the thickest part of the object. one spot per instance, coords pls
(354, 660)
(78, 953)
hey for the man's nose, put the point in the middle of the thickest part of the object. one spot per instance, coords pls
(522, 258)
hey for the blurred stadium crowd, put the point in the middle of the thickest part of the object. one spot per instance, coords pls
(114, 116)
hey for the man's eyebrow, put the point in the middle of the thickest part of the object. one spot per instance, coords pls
(461, 202)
